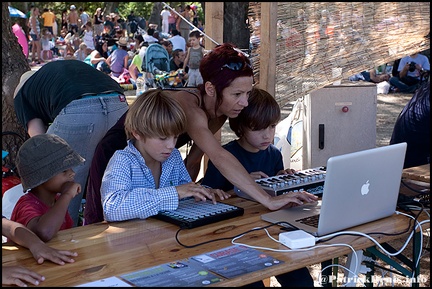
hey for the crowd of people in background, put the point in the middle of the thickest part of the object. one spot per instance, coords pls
(95, 38)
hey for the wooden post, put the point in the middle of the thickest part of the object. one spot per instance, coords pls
(214, 29)
(268, 46)
(214, 23)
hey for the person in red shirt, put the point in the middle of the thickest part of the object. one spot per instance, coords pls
(45, 165)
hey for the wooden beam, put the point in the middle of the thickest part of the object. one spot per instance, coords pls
(214, 29)
(213, 23)
(268, 35)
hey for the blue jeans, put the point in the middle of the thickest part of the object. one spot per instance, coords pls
(83, 123)
(405, 84)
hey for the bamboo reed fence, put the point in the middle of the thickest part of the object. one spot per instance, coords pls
(314, 38)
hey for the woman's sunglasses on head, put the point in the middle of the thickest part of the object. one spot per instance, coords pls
(236, 66)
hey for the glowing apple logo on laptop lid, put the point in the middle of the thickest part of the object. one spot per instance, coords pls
(365, 188)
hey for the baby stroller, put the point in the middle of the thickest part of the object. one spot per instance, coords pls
(157, 68)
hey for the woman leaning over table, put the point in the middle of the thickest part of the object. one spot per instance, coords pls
(227, 83)
(228, 79)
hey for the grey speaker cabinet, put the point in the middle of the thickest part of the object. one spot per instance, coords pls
(340, 119)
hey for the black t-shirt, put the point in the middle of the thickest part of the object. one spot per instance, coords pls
(98, 20)
(55, 85)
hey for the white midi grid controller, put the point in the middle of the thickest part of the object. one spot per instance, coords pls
(310, 180)
(191, 214)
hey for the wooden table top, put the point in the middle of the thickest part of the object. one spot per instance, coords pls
(420, 173)
(113, 249)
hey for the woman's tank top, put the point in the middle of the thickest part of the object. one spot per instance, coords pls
(37, 32)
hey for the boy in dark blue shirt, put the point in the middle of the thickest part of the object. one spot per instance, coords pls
(255, 126)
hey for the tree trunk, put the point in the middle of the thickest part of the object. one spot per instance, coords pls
(236, 30)
(111, 7)
(14, 64)
(155, 15)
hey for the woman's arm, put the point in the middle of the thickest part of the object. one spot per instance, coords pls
(19, 234)
(96, 58)
(225, 162)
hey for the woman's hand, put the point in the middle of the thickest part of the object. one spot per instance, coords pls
(291, 199)
(286, 171)
(258, 175)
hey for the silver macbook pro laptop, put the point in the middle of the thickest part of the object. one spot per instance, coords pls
(359, 187)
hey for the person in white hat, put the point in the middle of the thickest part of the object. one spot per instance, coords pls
(72, 19)
(75, 101)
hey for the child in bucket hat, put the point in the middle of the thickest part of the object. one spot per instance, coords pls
(44, 163)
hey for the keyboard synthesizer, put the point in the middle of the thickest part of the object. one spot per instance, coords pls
(310, 180)
(191, 214)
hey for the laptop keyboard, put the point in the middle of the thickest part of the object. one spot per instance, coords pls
(310, 221)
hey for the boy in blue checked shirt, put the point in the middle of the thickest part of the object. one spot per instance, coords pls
(149, 174)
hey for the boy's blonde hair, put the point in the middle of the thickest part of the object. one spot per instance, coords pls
(155, 114)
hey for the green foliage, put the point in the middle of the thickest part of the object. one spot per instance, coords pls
(142, 9)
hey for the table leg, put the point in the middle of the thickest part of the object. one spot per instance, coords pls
(412, 271)
(354, 266)
(326, 276)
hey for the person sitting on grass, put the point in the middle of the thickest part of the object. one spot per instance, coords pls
(370, 76)
(411, 71)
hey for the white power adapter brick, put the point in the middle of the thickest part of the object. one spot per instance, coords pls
(296, 239)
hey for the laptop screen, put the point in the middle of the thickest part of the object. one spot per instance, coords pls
(359, 187)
